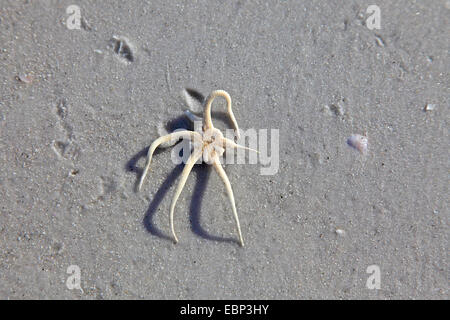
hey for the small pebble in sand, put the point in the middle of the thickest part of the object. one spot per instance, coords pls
(340, 232)
(358, 142)
(429, 107)
(25, 78)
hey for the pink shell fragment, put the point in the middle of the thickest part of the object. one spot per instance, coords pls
(358, 142)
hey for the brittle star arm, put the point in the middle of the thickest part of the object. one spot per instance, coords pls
(230, 144)
(227, 183)
(207, 123)
(173, 136)
(184, 175)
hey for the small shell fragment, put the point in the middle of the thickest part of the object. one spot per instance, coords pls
(358, 142)
(25, 78)
(340, 232)
(429, 107)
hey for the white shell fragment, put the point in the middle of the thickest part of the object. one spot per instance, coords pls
(358, 142)
(340, 232)
(25, 78)
(429, 107)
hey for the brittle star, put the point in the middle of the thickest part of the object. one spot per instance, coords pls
(210, 144)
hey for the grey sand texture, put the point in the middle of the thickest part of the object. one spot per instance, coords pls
(80, 107)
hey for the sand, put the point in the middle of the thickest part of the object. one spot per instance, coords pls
(79, 107)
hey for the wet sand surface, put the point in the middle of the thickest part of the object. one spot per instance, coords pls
(79, 108)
